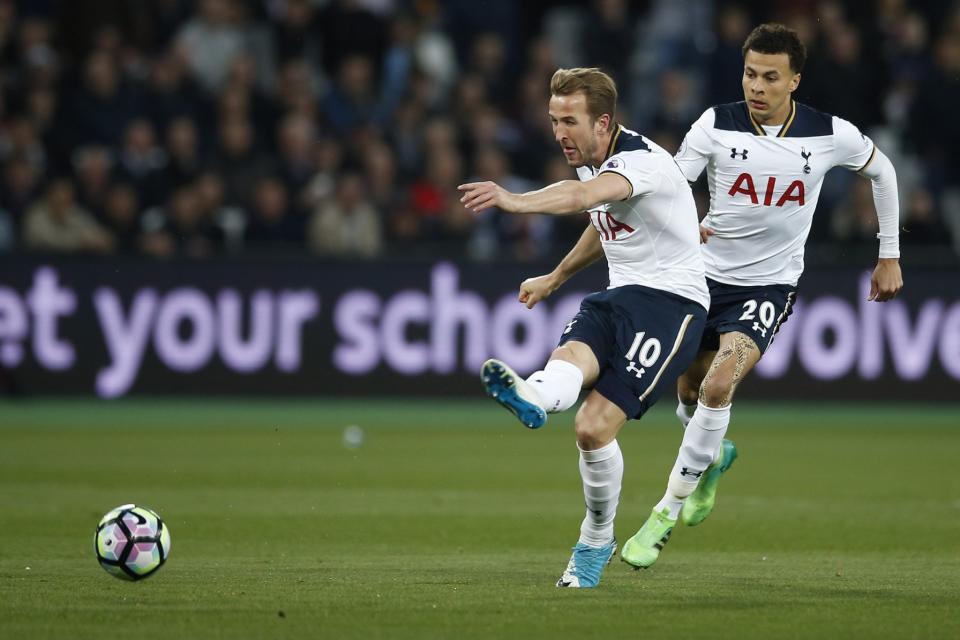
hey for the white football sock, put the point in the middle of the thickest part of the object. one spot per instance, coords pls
(602, 473)
(700, 446)
(685, 412)
(558, 385)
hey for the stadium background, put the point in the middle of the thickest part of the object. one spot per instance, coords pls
(237, 220)
(245, 148)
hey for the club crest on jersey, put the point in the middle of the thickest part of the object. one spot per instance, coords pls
(734, 153)
(806, 158)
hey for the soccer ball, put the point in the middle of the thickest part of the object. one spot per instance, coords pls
(131, 542)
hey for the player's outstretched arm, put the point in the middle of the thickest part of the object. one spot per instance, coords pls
(887, 280)
(587, 251)
(560, 198)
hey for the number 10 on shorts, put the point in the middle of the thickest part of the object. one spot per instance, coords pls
(642, 352)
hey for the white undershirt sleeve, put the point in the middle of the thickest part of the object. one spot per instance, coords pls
(886, 200)
(855, 151)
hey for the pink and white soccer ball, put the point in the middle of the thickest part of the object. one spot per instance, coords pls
(132, 542)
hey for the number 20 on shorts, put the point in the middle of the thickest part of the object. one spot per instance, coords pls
(767, 312)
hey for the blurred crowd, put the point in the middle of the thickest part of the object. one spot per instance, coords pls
(178, 128)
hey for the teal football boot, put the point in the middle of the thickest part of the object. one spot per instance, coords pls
(510, 390)
(586, 565)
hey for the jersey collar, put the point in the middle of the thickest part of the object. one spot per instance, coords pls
(612, 147)
(759, 130)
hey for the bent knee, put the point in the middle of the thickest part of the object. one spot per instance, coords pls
(716, 392)
(598, 421)
(591, 434)
(688, 391)
(593, 429)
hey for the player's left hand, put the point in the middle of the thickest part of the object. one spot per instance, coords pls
(533, 290)
(886, 281)
(705, 233)
(483, 195)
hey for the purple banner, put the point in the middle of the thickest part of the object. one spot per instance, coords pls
(307, 328)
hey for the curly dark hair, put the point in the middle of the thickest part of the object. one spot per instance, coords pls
(777, 38)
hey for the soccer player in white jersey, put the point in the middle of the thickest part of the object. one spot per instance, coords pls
(627, 343)
(765, 159)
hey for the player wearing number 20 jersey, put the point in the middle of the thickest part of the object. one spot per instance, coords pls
(765, 159)
(764, 183)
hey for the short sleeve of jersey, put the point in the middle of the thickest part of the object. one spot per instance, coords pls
(638, 167)
(851, 149)
(694, 153)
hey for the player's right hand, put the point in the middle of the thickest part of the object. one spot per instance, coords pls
(705, 233)
(478, 196)
(533, 290)
(887, 281)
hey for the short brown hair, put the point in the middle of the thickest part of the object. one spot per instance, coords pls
(599, 89)
(777, 38)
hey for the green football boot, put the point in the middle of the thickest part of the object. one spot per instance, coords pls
(643, 549)
(700, 503)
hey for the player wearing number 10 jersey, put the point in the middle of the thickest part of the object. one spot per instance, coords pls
(628, 343)
(765, 158)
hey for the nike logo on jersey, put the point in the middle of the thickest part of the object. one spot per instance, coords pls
(734, 153)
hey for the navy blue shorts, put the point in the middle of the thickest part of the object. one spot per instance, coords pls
(756, 311)
(643, 339)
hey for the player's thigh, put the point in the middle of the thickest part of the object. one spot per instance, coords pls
(688, 384)
(598, 421)
(587, 339)
(737, 356)
(582, 355)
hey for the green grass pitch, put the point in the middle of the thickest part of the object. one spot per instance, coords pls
(452, 521)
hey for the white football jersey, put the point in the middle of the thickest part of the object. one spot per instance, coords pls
(651, 238)
(764, 184)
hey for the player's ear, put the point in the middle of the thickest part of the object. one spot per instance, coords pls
(794, 82)
(602, 123)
